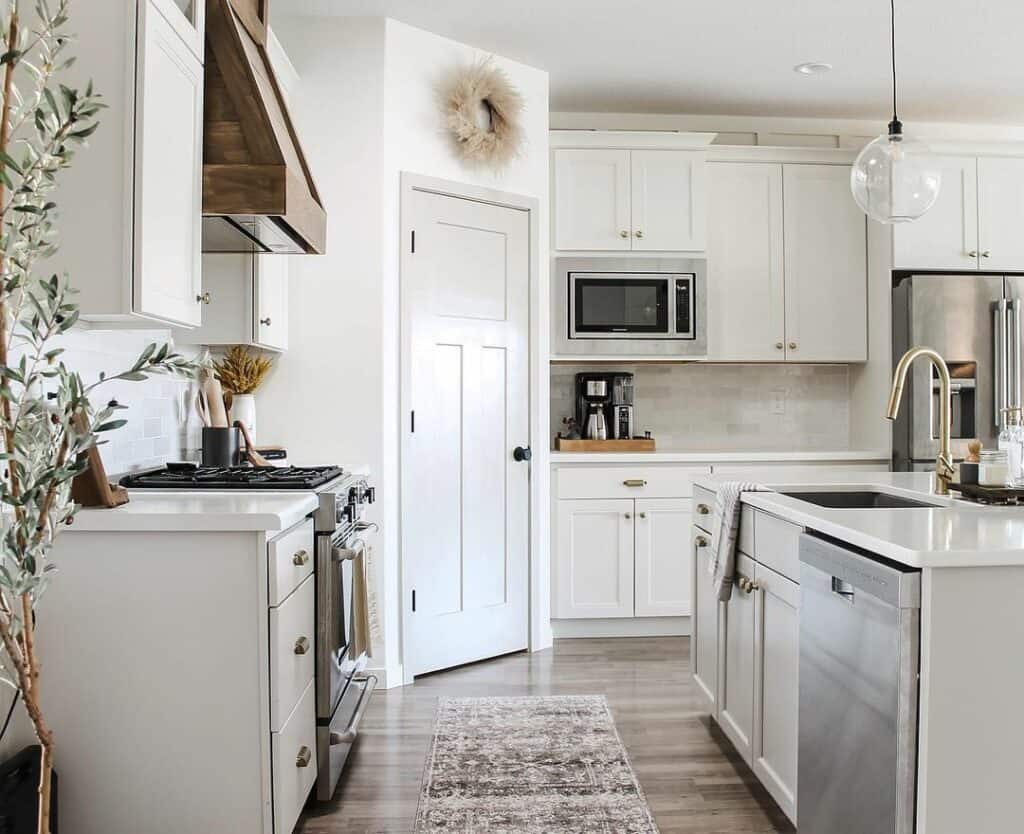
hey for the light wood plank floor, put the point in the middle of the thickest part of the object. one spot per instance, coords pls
(693, 779)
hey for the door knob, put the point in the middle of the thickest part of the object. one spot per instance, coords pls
(779, 345)
(628, 515)
(792, 345)
(303, 757)
(700, 541)
(986, 254)
(973, 253)
(623, 234)
(265, 321)
(639, 233)
(203, 299)
(302, 645)
(520, 454)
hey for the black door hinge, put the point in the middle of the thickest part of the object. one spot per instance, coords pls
(414, 600)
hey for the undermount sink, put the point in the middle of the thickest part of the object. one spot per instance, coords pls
(862, 500)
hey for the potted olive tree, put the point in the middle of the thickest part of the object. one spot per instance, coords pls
(47, 422)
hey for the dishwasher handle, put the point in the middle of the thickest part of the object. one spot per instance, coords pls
(853, 571)
(843, 588)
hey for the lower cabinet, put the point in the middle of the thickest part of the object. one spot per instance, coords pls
(622, 557)
(746, 652)
(776, 681)
(736, 709)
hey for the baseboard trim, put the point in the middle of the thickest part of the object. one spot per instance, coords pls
(388, 677)
(621, 627)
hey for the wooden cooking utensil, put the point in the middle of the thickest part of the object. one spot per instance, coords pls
(255, 458)
(215, 401)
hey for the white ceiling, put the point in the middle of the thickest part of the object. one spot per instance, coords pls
(959, 60)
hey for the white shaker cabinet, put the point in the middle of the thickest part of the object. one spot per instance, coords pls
(826, 266)
(620, 199)
(1000, 213)
(946, 237)
(736, 709)
(776, 689)
(593, 566)
(704, 628)
(134, 196)
(668, 205)
(592, 199)
(662, 564)
(745, 261)
(270, 328)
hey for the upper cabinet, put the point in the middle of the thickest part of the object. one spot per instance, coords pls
(787, 264)
(135, 195)
(630, 194)
(975, 222)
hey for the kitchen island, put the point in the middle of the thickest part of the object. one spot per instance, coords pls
(746, 652)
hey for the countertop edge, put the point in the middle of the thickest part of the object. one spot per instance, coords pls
(877, 455)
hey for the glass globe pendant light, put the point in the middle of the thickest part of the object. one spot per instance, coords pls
(894, 180)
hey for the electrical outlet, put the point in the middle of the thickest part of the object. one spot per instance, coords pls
(777, 401)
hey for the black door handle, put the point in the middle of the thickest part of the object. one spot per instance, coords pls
(520, 454)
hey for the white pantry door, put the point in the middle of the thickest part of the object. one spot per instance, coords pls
(465, 363)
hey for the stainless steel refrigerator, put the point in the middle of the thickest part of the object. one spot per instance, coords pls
(974, 322)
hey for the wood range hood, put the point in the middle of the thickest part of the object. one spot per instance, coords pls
(258, 193)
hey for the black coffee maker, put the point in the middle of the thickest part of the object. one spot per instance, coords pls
(604, 405)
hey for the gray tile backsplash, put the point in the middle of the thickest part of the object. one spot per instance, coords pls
(707, 407)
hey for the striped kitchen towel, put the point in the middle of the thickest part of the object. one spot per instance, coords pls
(725, 524)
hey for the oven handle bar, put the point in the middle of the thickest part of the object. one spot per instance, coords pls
(348, 553)
(352, 730)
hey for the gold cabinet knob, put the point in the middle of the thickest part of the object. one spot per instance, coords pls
(639, 233)
(265, 321)
(300, 558)
(642, 515)
(700, 541)
(792, 345)
(302, 645)
(779, 345)
(742, 582)
(703, 509)
(628, 515)
(303, 757)
(204, 298)
(972, 254)
(986, 254)
(623, 234)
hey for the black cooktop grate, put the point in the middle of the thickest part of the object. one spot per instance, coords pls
(235, 477)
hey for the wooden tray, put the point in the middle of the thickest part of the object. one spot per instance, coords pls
(990, 495)
(634, 445)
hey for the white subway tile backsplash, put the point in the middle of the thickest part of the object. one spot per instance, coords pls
(708, 407)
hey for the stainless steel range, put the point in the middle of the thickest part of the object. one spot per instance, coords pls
(343, 690)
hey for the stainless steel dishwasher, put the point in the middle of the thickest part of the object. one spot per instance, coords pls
(859, 653)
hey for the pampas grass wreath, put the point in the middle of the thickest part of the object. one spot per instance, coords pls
(482, 110)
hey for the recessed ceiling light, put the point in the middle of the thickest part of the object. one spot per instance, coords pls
(812, 68)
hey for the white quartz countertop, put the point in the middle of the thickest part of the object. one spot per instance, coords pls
(719, 457)
(159, 511)
(954, 534)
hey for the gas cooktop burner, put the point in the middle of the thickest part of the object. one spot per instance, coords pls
(191, 476)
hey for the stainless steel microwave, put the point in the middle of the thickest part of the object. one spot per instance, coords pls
(630, 307)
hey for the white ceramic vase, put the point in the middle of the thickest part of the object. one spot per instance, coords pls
(243, 409)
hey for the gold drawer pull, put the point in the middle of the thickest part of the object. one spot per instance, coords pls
(303, 757)
(302, 645)
(634, 482)
(301, 558)
(701, 541)
(703, 509)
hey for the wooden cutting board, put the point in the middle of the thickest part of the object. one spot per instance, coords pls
(633, 445)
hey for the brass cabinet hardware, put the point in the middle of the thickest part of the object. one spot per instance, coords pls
(303, 757)
(623, 234)
(792, 345)
(643, 515)
(986, 254)
(302, 645)
(779, 346)
(204, 298)
(265, 321)
(703, 509)
(300, 558)
(639, 233)
(634, 482)
(973, 253)
(700, 541)
(628, 515)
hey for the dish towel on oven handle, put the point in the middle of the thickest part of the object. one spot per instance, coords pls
(725, 524)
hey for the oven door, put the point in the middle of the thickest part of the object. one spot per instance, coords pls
(620, 306)
(335, 666)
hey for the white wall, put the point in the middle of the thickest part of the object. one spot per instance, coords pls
(366, 110)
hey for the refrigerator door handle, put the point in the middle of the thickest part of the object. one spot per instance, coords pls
(1002, 355)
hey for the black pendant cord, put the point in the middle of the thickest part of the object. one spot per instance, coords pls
(895, 126)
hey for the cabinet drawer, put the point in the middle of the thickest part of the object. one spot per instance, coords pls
(776, 544)
(293, 753)
(704, 511)
(291, 651)
(291, 560)
(628, 482)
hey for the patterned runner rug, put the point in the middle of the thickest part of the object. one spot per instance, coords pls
(540, 765)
